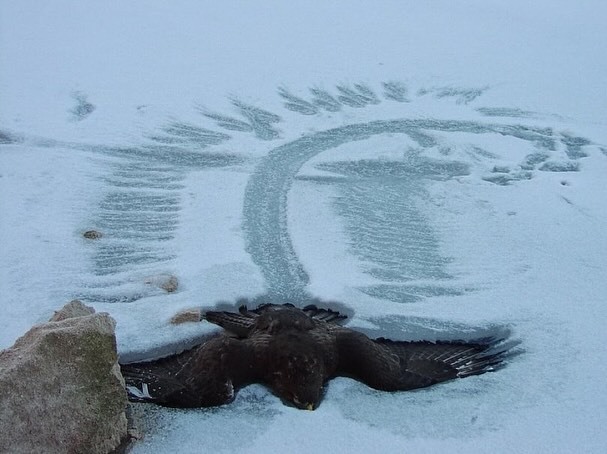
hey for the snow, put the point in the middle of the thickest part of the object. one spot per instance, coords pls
(435, 170)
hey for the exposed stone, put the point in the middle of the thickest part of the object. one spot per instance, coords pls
(74, 308)
(135, 422)
(92, 235)
(167, 282)
(60, 386)
(187, 315)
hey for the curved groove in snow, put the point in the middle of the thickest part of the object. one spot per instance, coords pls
(265, 204)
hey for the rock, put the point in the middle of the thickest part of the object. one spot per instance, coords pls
(188, 315)
(92, 235)
(167, 282)
(60, 386)
(74, 308)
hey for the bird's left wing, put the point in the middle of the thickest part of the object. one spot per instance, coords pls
(393, 365)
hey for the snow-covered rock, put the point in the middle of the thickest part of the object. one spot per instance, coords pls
(61, 388)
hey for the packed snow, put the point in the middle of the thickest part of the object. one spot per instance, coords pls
(434, 170)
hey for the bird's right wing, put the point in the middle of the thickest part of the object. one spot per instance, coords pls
(162, 381)
(204, 376)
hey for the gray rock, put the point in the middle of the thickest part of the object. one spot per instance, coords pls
(187, 315)
(92, 235)
(60, 387)
(167, 282)
(74, 308)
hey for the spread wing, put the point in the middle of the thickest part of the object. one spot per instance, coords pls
(204, 376)
(391, 365)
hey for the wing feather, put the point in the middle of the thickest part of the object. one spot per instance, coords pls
(394, 365)
(204, 376)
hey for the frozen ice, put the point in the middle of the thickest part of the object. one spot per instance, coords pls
(434, 171)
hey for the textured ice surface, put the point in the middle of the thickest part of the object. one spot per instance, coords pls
(434, 172)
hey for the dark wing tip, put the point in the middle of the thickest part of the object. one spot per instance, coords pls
(467, 358)
(491, 356)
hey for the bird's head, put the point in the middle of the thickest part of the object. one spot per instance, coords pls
(298, 377)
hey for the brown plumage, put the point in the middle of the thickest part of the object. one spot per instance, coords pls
(295, 352)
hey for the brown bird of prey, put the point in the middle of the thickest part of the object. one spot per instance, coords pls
(295, 352)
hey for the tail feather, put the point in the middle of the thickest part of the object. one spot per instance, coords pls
(241, 323)
(325, 315)
(238, 324)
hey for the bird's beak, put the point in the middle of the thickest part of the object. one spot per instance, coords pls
(302, 405)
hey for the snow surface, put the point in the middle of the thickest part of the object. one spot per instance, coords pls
(436, 169)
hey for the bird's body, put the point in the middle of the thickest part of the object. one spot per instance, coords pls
(295, 352)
